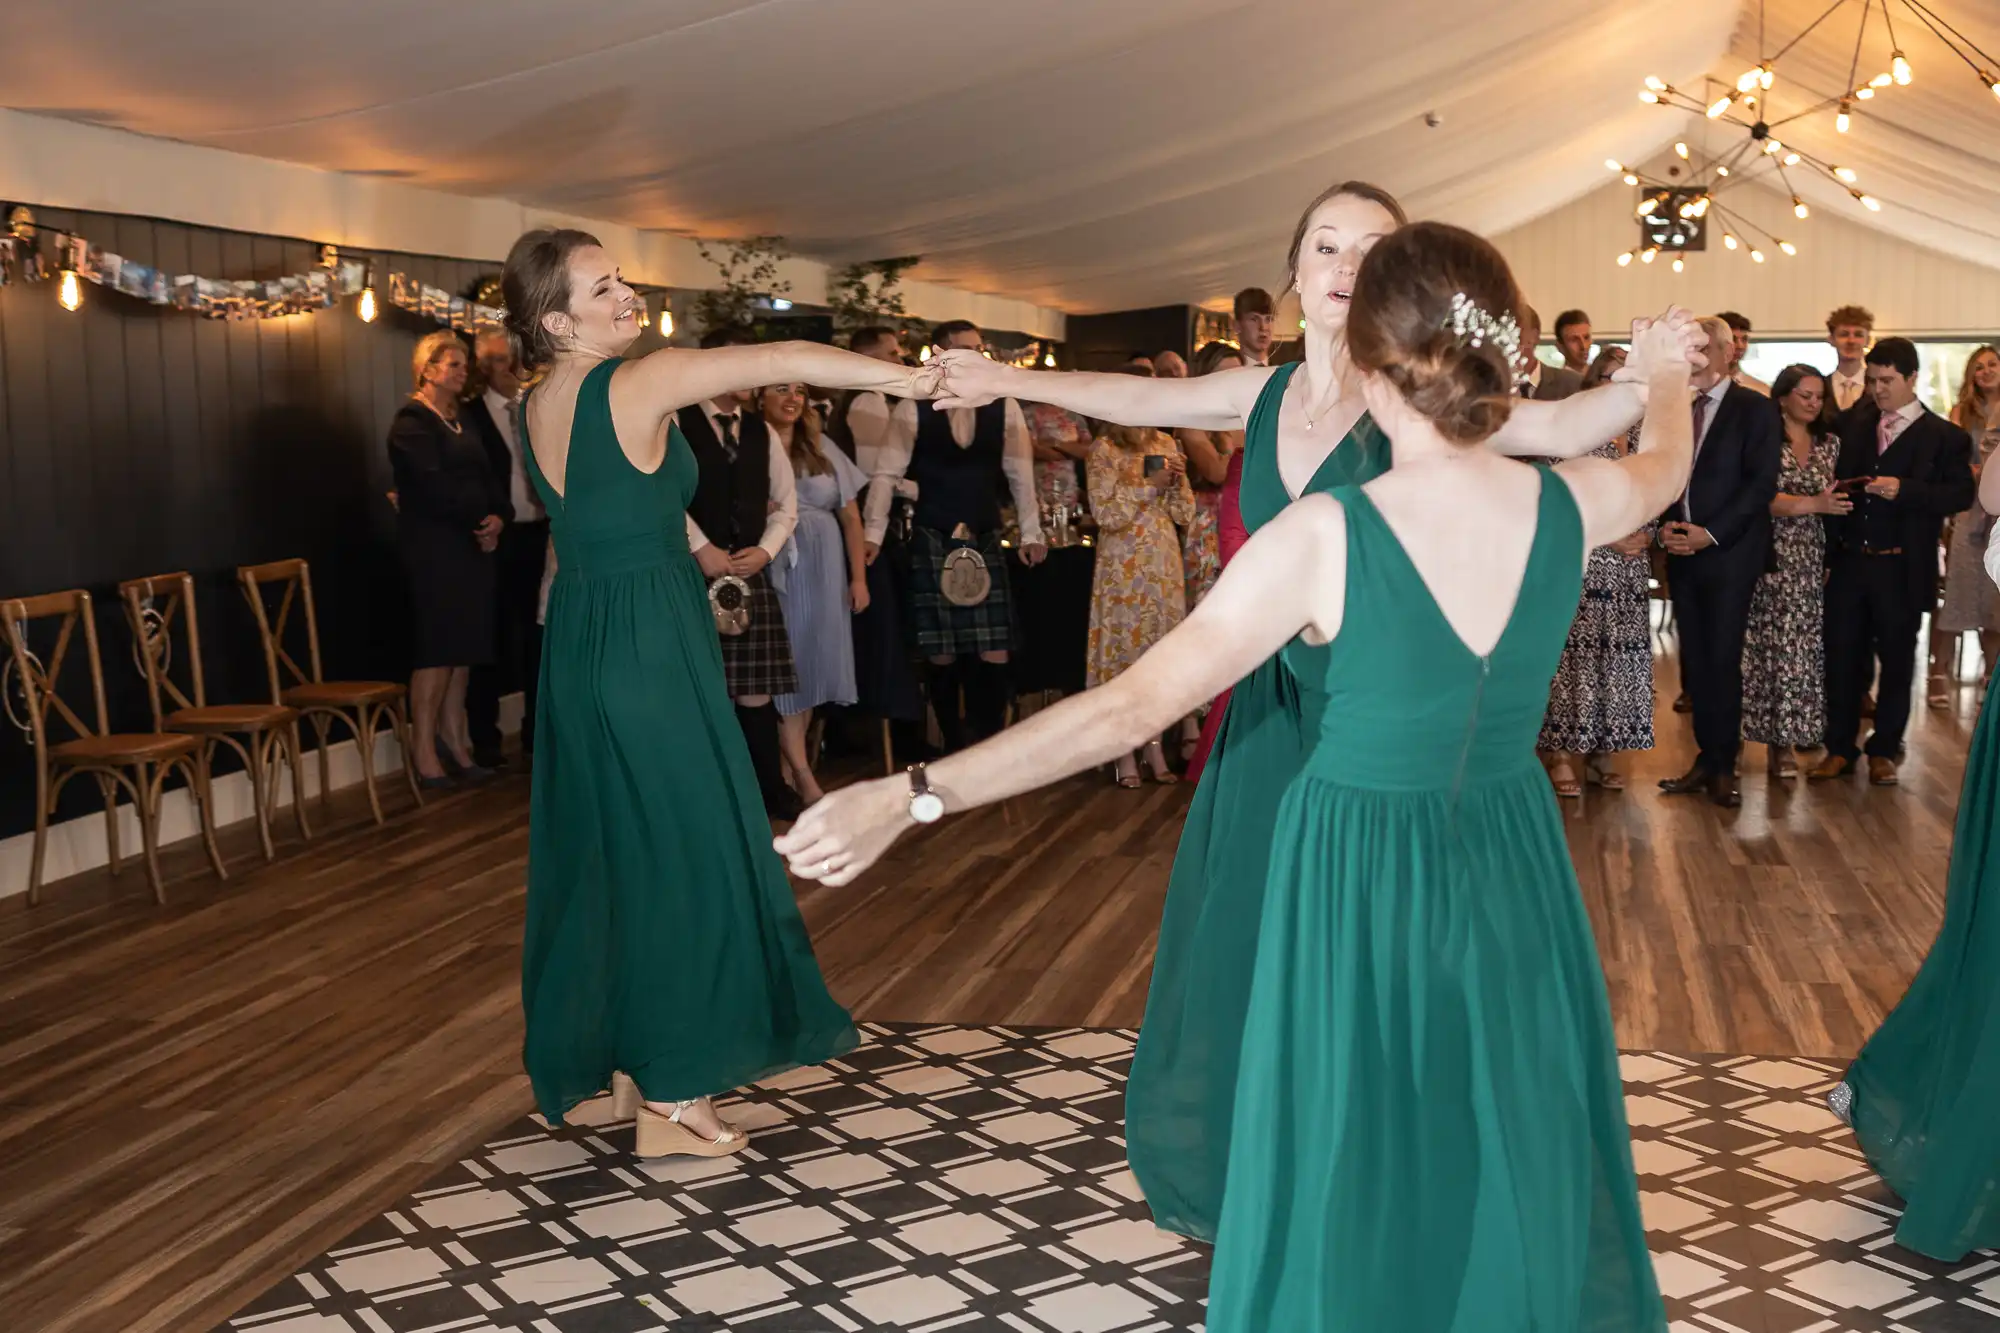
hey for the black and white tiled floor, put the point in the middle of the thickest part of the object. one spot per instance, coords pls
(974, 1178)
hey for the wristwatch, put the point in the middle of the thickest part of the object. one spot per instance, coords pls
(926, 806)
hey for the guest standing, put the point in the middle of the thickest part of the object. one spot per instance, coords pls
(1208, 455)
(1784, 655)
(1256, 324)
(448, 508)
(1851, 330)
(1739, 347)
(1138, 492)
(1717, 538)
(821, 576)
(1535, 378)
(524, 542)
(1573, 341)
(1913, 469)
(745, 506)
(1601, 701)
(1061, 441)
(1971, 602)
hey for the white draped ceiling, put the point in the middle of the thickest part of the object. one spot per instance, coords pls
(1086, 154)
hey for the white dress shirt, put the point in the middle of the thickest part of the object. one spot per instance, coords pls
(1993, 554)
(899, 442)
(1715, 396)
(1847, 389)
(784, 489)
(1893, 424)
(521, 491)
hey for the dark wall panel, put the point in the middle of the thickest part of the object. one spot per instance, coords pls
(137, 439)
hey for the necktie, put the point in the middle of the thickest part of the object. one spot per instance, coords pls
(1527, 389)
(727, 421)
(1883, 437)
(1700, 420)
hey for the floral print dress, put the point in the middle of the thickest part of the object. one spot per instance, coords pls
(1139, 591)
(1784, 658)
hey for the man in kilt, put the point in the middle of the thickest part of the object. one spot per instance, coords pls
(963, 462)
(744, 509)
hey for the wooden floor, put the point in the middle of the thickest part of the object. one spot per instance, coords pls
(195, 1099)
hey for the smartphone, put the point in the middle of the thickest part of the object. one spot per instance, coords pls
(1155, 463)
(1849, 485)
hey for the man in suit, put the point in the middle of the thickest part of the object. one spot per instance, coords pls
(1573, 339)
(1850, 329)
(524, 544)
(1535, 379)
(1739, 347)
(1717, 541)
(1911, 469)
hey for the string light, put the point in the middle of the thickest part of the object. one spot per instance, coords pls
(1049, 360)
(1791, 159)
(645, 316)
(1870, 202)
(1728, 241)
(1901, 69)
(1648, 95)
(666, 322)
(70, 292)
(1845, 118)
(1757, 256)
(365, 307)
(1625, 260)
(1788, 247)
(1799, 209)
(1655, 84)
(1718, 107)
(1881, 81)
(1846, 174)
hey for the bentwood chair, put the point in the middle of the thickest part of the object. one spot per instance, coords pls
(137, 763)
(362, 706)
(153, 607)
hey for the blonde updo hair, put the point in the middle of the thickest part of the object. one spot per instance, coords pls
(428, 349)
(1399, 327)
(534, 283)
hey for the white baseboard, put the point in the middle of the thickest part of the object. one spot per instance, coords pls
(78, 845)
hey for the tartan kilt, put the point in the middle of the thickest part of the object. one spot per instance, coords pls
(941, 627)
(759, 660)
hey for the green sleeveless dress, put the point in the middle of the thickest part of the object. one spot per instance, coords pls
(1182, 1088)
(662, 938)
(1430, 1133)
(1924, 1094)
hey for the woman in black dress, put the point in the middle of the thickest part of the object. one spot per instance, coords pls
(447, 503)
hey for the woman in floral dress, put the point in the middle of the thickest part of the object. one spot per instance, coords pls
(1139, 591)
(1784, 657)
(1061, 438)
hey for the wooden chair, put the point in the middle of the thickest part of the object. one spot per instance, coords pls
(152, 606)
(359, 705)
(137, 762)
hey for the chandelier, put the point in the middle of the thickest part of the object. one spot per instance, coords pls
(1674, 214)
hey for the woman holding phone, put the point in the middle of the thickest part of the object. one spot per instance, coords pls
(1139, 492)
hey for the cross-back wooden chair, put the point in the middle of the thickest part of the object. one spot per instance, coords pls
(136, 763)
(359, 705)
(259, 733)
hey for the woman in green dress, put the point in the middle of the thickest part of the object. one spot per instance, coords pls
(1924, 1094)
(1306, 432)
(1429, 1131)
(663, 941)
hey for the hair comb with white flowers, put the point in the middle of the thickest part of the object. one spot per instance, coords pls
(1472, 324)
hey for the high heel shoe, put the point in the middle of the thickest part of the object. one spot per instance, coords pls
(664, 1135)
(625, 1098)
(1156, 759)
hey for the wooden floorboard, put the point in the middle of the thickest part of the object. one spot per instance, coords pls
(196, 1098)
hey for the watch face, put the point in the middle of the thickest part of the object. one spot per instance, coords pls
(927, 808)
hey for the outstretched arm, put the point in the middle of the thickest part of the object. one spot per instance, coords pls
(1616, 496)
(649, 390)
(1573, 426)
(1256, 607)
(1221, 401)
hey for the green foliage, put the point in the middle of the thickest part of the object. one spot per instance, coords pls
(749, 270)
(870, 293)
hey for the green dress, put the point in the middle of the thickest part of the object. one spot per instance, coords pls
(1430, 1133)
(1183, 1082)
(1924, 1094)
(662, 939)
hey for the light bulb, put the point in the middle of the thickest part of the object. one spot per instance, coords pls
(1717, 107)
(1649, 254)
(1846, 174)
(1681, 151)
(1769, 77)
(1687, 210)
(1722, 171)
(1631, 179)
(1049, 360)
(70, 292)
(1871, 203)
(1613, 164)
(1881, 81)
(1701, 206)
(1649, 96)
(1842, 121)
(1791, 159)
(666, 322)
(1646, 207)
(1747, 80)
(1799, 209)
(1625, 260)
(1757, 256)
(1678, 265)
(365, 307)
(1655, 84)
(1986, 77)
(1863, 94)
(924, 355)
(1728, 241)
(1900, 68)
(645, 318)
(1772, 146)
(1788, 247)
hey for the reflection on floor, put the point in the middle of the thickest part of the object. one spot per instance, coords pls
(974, 1178)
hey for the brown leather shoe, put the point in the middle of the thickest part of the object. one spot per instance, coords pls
(1882, 772)
(1833, 766)
(1682, 704)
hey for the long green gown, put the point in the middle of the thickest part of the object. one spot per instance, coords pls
(1924, 1094)
(1182, 1089)
(1430, 1133)
(662, 938)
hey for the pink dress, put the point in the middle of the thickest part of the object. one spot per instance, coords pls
(1230, 536)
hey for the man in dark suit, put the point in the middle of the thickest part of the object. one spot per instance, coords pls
(524, 544)
(1717, 541)
(1909, 468)
(1534, 379)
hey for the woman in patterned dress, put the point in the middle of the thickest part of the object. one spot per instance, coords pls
(1971, 602)
(1784, 657)
(1061, 439)
(1138, 492)
(1208, 454)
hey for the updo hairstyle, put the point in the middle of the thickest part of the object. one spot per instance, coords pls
(534, 283)
(1401, 327)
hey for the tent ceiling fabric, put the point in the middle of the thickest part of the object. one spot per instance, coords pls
(1087, 156)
